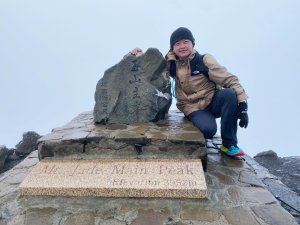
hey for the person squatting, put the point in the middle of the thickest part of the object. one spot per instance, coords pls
(205, 90)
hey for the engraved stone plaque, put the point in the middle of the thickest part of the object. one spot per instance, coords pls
(160, 178)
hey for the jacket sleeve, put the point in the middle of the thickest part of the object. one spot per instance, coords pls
(219, 74)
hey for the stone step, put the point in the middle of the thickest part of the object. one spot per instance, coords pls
(158, 178)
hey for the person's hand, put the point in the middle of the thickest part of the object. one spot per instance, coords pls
(242, 114)
(136, 51)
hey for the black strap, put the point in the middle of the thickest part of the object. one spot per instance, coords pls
(198, 66)
(172, 69)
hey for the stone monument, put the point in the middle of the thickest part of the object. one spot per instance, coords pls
(129, 146)
(137, 89)
(134, 167)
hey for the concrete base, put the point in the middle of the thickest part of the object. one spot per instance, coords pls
(81, 138)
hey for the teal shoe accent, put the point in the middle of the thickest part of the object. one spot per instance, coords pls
(232, 150)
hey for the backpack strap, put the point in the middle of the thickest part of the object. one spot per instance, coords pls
(198, 66)
(172, 69)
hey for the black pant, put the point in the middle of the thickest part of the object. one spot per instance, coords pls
(224, 105)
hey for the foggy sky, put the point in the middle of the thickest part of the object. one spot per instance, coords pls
(52, 53)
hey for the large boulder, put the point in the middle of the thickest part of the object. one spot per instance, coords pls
(137, 89)
(269, 159)
(3, 155)
(287, 169)
(28, 143)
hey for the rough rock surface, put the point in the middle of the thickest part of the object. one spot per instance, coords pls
(28, 143)
(135, 90)
(11, 160)
(287, 169)
(3, 155)
(236, 197)
(239, 191)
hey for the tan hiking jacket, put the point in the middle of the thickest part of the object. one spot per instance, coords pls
(196, 92)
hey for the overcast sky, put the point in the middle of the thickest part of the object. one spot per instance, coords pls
(52, 54)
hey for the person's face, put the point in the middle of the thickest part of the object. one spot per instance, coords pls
(183, 48)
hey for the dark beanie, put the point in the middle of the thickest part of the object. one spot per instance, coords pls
(180, 34)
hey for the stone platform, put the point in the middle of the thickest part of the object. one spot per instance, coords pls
(236, 196)
(175, 138)
(159, 160)
(117, 178)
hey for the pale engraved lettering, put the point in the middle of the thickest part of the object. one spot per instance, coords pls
(95, 169)
(180, 183)
(135, 170)
(134, 175)
(117, 169)
(163, 169)
(140, 182)
(49, 169)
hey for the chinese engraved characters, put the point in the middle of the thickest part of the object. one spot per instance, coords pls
(105, 98)
(136, 87)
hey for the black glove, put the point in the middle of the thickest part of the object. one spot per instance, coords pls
(242, 114)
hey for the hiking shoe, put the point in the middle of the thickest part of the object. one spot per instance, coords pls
(233, 150)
